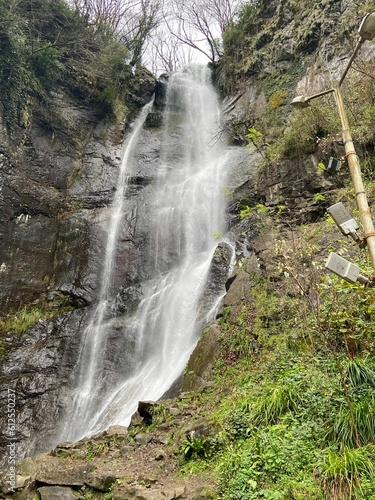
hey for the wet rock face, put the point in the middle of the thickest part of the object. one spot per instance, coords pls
(56, 173)
(36, 370)
(26, 240)
(35, 176)
(217, 276)
(58, 176)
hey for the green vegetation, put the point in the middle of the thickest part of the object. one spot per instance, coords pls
(19, 322)
(100, 449)
(293, 399)
(22, 320)
(159, 414)
(48, 43)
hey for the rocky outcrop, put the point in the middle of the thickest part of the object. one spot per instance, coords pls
(200, 368)
(294, 184)
(37, 370)
(198, 372)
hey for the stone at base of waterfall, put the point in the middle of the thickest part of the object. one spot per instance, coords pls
(198, 373)
(143, 415)
(71, 449)
(20, 482)
(56, 493)
(126, 492)
(136, 420)
(115, 433)
(56, 473)
(118, 431)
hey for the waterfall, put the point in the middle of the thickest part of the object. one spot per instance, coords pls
(90, 358)
(188, 219)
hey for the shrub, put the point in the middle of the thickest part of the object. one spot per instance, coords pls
(14, 79)
(360, 372)
(238, 424)
(195, 446)
(280, 399)
(277, 99)
(346, 315)
(46, 65)
(39, 45)
(107, 99)
(21, 321)
(353, 424)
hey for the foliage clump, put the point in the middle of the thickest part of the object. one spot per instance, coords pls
(49, 43)
(18, 322)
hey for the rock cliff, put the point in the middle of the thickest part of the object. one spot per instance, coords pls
(58, 175)
(59, 180)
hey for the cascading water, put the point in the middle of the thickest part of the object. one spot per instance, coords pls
(90, 360)
(188, 211)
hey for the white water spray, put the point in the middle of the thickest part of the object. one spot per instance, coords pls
(188, 219)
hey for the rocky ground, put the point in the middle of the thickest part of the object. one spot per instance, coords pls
(140, 462)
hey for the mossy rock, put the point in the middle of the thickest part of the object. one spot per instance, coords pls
(199, 368)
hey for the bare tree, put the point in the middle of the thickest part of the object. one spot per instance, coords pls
(167, 54)
(194, 25)
(103, 14)
(137, 28)
(131, 21)
(200, 25)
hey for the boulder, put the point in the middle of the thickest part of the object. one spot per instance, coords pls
(100, 481)
(56, 493)
(10, 484)
(117, 431)
(57, 474)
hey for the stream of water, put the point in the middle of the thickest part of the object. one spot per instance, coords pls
(188, 220)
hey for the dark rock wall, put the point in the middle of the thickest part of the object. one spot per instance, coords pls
(58, 175)
(38, 367)
(35, 207)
